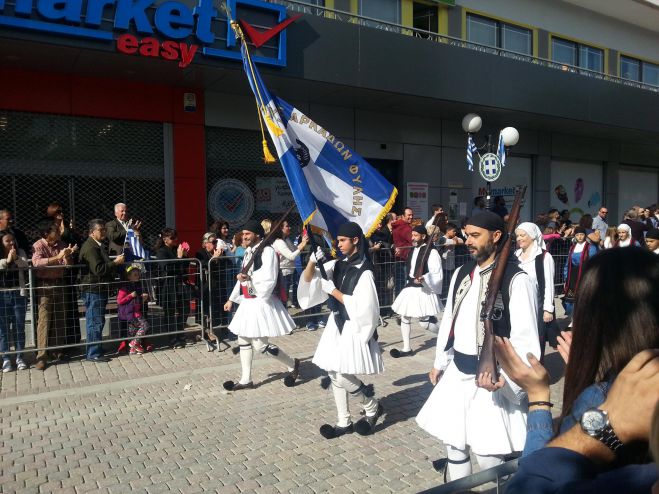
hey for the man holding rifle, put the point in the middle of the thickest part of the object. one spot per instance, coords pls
(261, 314)
(420, 297)
(466, 410)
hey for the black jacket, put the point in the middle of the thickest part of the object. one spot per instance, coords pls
(101, 270)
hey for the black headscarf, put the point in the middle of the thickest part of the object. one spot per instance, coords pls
(352, 230)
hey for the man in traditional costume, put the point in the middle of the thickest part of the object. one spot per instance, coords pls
(261, 314)
(420, 297)
(466, 411)
(348, 346)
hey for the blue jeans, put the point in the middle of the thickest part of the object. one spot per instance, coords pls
(12, 313)
(95, 304)
(400, 276)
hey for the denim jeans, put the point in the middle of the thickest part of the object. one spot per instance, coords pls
(400, 276)
(95, 304)
(12, 314)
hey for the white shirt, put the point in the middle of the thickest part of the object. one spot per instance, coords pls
(433, 278)
(529, 268)
(287, 255)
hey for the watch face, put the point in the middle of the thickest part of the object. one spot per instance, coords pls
(593, 421)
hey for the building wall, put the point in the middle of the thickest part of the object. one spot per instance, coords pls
(119, 99)
(434, 151)
(573, 22)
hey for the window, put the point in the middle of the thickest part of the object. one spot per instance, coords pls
(498, 34)
(425, 17)
(577, 55)
(638, 70)
(382, 10)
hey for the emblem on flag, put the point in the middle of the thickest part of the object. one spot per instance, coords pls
(489, 167)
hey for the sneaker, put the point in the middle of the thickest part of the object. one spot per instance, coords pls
(122, 347)
(137, 347)
(41, 365)
(6, 366)
(311, 327)
(321, 324)
(20, 364)
(132, 351)
(177, 343)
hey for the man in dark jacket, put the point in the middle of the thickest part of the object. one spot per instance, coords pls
(117, 228)
(7, 226)
(95, 287)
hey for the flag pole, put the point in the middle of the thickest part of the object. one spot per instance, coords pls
(268, 157)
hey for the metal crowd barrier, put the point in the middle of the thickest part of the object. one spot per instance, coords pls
(498, 475)
(185, 295)
(49, 309)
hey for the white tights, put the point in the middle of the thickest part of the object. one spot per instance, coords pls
(348, 384)
(247, 347)
(406, 329)
(459, 465)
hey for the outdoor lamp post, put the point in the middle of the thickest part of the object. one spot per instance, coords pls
(490, 164)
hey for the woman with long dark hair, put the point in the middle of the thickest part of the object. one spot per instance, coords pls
(173, 294)
(13, 275)
(616, 317)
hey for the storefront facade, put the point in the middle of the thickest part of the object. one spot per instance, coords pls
(149, 106)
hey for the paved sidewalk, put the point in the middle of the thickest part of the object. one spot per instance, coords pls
(162, 422)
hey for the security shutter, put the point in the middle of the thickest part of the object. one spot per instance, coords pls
(87, 164)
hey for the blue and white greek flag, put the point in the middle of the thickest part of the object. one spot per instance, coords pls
(136, 247)
(501, 150)
(471, 149)
(331, 184)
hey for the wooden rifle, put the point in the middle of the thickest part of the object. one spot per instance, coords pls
(487, 361)
(439, 222)
(266, 241)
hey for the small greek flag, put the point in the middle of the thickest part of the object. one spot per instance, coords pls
(136, 246)
(501, 150)
(471, 149)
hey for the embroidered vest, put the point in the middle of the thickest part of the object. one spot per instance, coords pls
(247, 289)
(501, 316)
(408, 264)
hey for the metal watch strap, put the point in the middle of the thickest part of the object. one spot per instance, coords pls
(608, 437)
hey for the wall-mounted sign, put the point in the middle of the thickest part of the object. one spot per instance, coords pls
(417, 199)
(489, 167)
(273, 194)
(231, 200)
(170, 30)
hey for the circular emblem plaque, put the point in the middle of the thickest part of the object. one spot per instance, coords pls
(231, 200)
(489, 167)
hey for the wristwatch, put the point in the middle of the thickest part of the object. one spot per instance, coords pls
(595, 423)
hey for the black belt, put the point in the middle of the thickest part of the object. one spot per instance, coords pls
(467, 364)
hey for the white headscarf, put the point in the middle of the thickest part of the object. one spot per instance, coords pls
(628, 229)
(532, 230)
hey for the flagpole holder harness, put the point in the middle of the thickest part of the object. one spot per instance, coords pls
(490, 164)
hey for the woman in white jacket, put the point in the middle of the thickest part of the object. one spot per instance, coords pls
(539, 265)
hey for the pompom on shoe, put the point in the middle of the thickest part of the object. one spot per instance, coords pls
(334, 431)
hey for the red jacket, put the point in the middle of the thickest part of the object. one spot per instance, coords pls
(402, 235)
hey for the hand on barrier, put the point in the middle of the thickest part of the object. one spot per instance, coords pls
(327, 286)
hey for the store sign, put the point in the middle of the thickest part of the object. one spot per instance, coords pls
(170, 30)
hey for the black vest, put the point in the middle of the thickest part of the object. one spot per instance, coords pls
(408, 264)
(502, 325)
(540, 274)
(345, 278)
